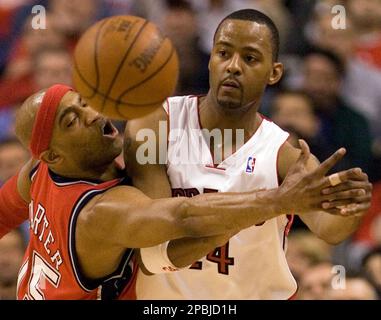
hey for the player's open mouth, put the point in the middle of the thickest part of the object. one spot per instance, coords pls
(109, 130)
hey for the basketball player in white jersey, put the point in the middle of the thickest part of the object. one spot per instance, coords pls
(252, 264)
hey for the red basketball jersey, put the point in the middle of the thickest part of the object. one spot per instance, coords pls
(50, 269)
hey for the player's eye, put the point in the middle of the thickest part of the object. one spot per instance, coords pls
(250, 58)
(71, 121)
(222, 53)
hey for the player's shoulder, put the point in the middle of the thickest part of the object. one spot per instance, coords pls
(270, 125)
(24, 178)
(287, 156)
(150, 121)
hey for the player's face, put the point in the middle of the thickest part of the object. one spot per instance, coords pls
(83, 135)
(241, 64)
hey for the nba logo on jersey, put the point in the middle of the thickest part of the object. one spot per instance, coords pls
(250, 165)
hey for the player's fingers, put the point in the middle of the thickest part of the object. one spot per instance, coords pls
(356, 209)
(346, 201)
(305, 152)
(349, 185)
(334, 211)
(336, 203)
(348, 194)
(339, 177)
(329, 163)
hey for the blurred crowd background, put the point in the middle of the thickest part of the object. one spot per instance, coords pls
(330, 96)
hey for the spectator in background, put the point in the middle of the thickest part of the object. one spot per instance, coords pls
(341, 126)
(31, 39)
(356, 288)
(293, 110)
(323, 282)
(51, 65)
(366, 17)
(361, 83)
(180, 25)
(304, 250)
(372, 268)
(12, 250)
(17, 83)
(12, 157)
(8, 11)
(73, 17)
(315, 282)
(7, 119)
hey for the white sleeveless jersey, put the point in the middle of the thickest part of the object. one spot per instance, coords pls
(252, 265)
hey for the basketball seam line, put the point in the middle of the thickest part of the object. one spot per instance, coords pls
(109, 98)
(122, 62)
(96, 57)
(147, 78)
(94, 89)
(133, 87)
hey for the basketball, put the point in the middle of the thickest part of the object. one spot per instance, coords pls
(125, 67)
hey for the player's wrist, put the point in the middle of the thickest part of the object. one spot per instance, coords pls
(156, 260)
(280, 203)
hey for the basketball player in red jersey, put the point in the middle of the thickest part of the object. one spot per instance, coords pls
(252, 265)
(84, 218)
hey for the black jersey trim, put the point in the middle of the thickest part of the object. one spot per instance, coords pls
(85, 283)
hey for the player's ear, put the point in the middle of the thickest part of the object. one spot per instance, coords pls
(276, 73)
(50, 157)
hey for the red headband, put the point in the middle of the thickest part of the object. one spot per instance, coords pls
(44, 122)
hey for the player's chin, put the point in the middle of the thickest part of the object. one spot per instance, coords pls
(229, 103)
(113, 144)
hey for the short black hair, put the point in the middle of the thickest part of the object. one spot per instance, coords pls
(259, 17)
(336, 61)
(295, 92)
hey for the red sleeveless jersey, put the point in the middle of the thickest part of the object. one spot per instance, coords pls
(50, 269)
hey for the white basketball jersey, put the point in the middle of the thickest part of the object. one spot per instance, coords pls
(252, 265)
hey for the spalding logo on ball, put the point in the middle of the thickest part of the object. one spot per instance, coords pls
(124, 67)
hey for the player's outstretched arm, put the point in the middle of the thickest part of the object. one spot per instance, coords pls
(125, 217)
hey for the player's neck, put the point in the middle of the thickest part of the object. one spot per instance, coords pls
(212, 117)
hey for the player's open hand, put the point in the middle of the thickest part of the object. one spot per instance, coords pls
(345, 193)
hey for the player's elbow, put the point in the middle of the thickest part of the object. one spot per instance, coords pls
(332, 238)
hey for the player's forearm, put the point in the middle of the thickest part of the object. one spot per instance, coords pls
(331, 228)
(184, 252)
(225, 212)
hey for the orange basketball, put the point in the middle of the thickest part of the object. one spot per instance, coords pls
(124, 67)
